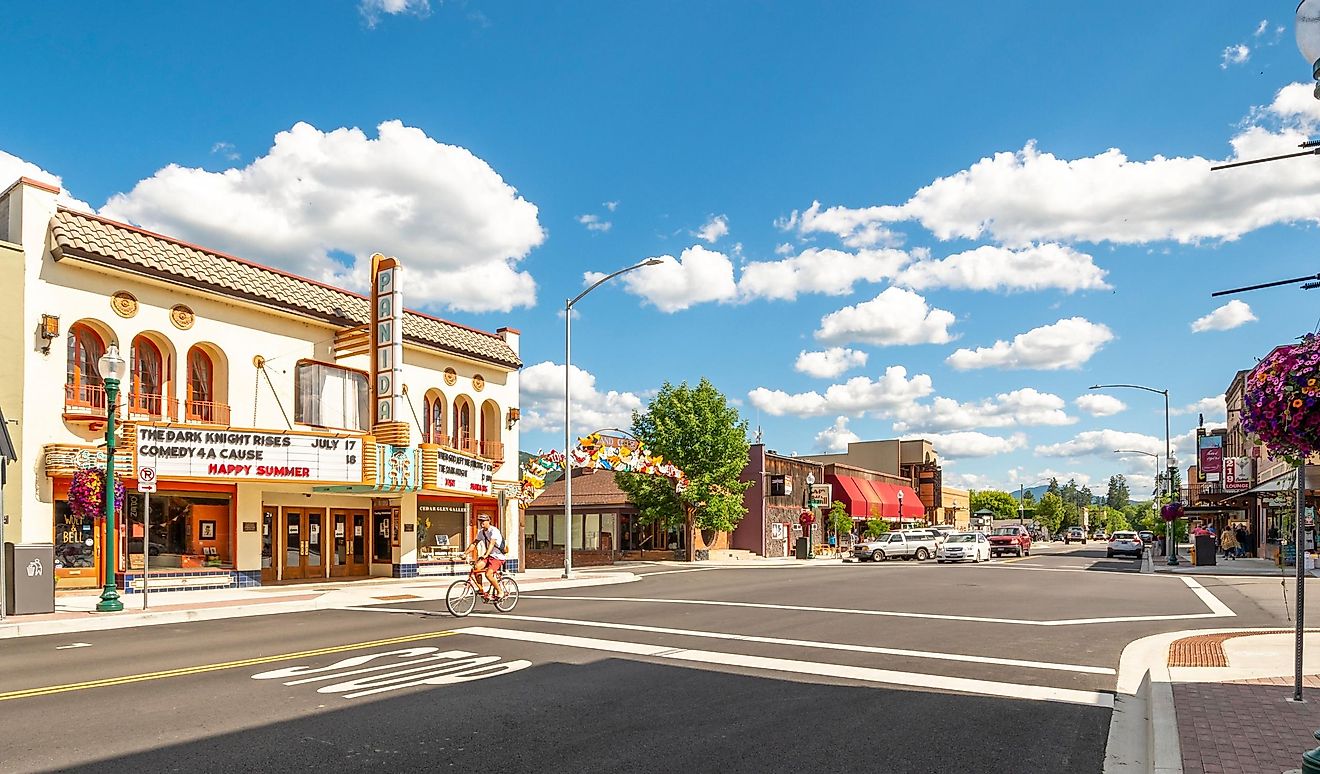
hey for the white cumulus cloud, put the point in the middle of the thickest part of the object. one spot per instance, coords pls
(1026, 406)
(458, 227)
(1098, 405)
(1235, 54)
(969, 443)
(372, 10)
(1232, 315)
(854, 227)
(1065, 344)
(896, 316)
(993, 268)
(826, 271)
(854, 397)
(1213, 407)
(716, 227)
(12, 168)
(541, 389)
(1103, 443)
(594, 222)
(697, 276)
(836, 437)
(829, 363)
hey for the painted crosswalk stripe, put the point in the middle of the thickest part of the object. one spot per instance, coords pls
(797, 667)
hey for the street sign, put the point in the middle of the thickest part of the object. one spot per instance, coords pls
(146, 478)
(820, 495)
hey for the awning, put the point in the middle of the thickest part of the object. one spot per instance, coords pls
(855, 495)
(1284, 482)
(913, 508)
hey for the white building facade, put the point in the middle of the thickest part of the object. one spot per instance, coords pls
(255, 396)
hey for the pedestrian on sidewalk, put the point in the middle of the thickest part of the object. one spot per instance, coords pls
(1228, 541)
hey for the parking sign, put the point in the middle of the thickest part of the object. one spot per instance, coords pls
(146, 478)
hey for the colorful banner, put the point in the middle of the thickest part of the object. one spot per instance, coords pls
(602, 452)
(1210, 458)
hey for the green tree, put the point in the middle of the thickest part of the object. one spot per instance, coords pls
(1027, 497)
(876, 527)
(1003, 504)
(1118, 495)
(1049, 512)
(697, 430)
(1054, 486)
(840, 521)
(1115, 521)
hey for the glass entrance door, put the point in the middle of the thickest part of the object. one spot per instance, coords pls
(348, 538)
(304, 544)
(269, 527)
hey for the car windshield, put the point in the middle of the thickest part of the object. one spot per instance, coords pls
(1005, 531)
(962, 538)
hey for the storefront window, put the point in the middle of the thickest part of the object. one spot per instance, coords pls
(331, 396)
(440, 532)
(382, 522)
(75, 538)
(185, 531)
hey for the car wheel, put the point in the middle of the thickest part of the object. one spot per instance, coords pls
(1019, 552)
(1028, 552)
(922, 554)
(877, 555)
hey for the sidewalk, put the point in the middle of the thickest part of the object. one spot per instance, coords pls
(1214, 701)
(1222, 566)
(75, 612)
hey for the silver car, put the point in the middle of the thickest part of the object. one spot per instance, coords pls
(909, 544)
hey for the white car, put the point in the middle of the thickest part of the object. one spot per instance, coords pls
(1125, 543)
(963, 547)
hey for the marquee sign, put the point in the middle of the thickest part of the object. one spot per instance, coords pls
(386, 338)
(252, 455)
(463, 473)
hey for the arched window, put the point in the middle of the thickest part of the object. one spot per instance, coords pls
(435, 420)
(426, 420)
(463, 426)
(82, 379)
(201, 404)
(148, 366)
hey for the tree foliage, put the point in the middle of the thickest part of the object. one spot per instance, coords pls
(1049, 512)
(876, 527)
(1118, 495)
(839, 519)
(1003, 504)
(697, 430)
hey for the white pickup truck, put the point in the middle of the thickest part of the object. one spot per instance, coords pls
(909, 544)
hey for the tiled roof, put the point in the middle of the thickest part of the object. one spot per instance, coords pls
(106, 242)
(590, 487)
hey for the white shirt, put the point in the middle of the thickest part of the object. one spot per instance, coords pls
(492, 536)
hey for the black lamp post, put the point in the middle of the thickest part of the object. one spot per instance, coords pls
(112, 368)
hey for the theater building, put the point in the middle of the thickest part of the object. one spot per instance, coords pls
(297, 431)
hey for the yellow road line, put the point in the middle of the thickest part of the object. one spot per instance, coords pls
(194, 670)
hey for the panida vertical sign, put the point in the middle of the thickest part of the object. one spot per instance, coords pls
(464, 473)
(386, 338)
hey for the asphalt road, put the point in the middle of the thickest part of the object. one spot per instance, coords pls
(900, 666)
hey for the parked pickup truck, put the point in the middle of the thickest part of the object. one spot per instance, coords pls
(1015, 540)
(916, 544)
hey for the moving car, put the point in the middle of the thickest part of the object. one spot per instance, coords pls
(1013, 539)
(1073, 533)
(909, 544)
(1146, 536)
(1125, 543)
(964, 546)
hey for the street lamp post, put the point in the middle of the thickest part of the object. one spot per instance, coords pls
(568, 408)
(900, 509)
(112, 368)
(1171, 545)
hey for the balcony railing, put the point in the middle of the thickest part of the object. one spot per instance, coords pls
(492, 450)
(206, 412)
(440, 439)
(151, 407)
(84, 400)
(469, 445)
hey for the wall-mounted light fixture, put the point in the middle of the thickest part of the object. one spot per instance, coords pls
(50, 330)
(512, 418)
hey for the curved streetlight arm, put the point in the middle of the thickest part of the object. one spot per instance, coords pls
(608, 277)
(1165, 393)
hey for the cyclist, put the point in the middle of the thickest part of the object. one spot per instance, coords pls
(490, 547)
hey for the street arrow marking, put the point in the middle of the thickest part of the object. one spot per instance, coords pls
(74, 645)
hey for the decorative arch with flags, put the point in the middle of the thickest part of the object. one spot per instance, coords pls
(603, 452)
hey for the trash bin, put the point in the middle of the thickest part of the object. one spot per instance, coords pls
(1205, 552)
(29, 578)
(801, 550)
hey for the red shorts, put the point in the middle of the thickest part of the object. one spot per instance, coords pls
(493, 564)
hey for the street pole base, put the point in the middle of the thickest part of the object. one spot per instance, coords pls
(110, 602)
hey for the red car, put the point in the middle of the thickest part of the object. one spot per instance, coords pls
(1015, 539)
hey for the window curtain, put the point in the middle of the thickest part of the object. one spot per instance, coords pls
(146, 375)
(85, 349)
(332, 397)
(437, 421)
(199, 377)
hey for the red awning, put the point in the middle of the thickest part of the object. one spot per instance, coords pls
(913, 508)
(856, 497)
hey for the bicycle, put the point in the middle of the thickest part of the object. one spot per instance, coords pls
(461, 597)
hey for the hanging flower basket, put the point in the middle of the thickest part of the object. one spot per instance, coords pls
(1281, 403)
(1172, 512)
(87, 493)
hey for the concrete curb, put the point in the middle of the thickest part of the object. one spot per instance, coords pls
(328, 600)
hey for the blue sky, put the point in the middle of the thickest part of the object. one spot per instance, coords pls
(927, 219)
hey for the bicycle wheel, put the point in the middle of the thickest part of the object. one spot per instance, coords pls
(460, 598)
(505, 603)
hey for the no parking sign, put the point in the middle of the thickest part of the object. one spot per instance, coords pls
(146, 478)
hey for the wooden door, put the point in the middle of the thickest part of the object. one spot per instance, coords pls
(348, 540)
(304, 555)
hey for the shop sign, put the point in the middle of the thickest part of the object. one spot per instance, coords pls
(1210, 462)
(464, 473)
(1237, 474)
(386, 338)
(226, 455)
(821, 494)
